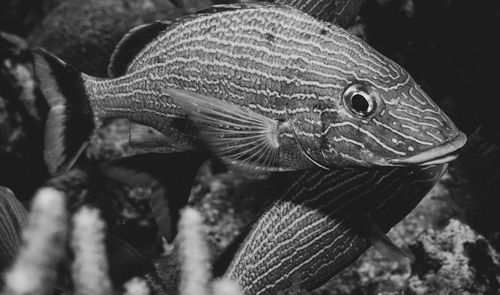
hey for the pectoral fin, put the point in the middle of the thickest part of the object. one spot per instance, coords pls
(386, 247)
(236, 134)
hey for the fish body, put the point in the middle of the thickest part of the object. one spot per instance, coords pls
(322, 224)
(270, 87)
(13, 218)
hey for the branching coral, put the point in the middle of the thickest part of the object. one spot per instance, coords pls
(195, 262)
(193, 253)
(90, 267)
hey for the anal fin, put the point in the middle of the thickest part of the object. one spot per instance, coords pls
(152, 140)
(171, 177)
(143, 136)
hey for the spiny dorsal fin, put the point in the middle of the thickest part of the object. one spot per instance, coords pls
(236, 134)
(137, 38)
(131, 44)
(234, 6)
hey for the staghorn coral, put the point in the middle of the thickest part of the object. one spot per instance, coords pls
(90, 268)
(136, 286)
(225, 287)
(193, 253)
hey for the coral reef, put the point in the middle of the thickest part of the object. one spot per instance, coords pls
(454, 260)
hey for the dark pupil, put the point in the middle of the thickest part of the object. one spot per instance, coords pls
(359, 103)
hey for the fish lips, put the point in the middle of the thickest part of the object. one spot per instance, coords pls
(441, 154)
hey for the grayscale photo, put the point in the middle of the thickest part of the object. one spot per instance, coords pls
(225, 147)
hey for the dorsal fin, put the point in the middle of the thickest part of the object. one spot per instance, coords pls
(133, 42)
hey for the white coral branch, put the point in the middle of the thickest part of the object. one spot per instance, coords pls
(136, 286)
(193, 254)
(90, 267)
(225, 287)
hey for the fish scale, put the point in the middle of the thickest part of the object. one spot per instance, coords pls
(302, 243)
(264, 87)
(182, 55)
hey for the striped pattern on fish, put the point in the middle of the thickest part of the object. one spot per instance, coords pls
(322, 91)
(317, 228)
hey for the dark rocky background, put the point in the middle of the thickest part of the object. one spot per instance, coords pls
(451, 47)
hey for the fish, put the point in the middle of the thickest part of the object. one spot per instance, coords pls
(322, 224)
(13, 219)
(264, 87)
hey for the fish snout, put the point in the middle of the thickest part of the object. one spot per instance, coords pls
(441, 154)
(426, 134)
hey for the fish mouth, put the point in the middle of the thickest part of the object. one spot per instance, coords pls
(441, 154)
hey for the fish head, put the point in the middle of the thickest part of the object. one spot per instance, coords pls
(379, 116)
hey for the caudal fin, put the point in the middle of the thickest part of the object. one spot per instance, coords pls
(70, 120)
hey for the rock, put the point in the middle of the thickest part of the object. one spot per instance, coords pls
(454, 260)
(21, 113)
(84, 34)
(20, 16)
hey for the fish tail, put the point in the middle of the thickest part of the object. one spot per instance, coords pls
(70, 121)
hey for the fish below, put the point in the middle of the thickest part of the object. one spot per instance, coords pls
(265, 87)
(322, 224)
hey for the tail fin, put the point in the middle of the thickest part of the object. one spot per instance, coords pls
(70, 120)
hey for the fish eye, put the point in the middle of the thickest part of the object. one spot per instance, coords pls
(358, 98)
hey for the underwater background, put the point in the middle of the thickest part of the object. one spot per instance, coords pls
(450, 47)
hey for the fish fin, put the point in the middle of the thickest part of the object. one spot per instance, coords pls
(162, 213)
(122, 170)
(124, 260)
(70, 121)
(386, 247)
(146, 137)
(236, 134)
(172, 176)
(236, 6)
(131, 44)
(152, 140)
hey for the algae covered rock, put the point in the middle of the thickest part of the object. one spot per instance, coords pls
(454, 260)
(84, 33)
(21, 111)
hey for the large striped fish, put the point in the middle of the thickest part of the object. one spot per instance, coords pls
(264, 86)
(322, 224)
